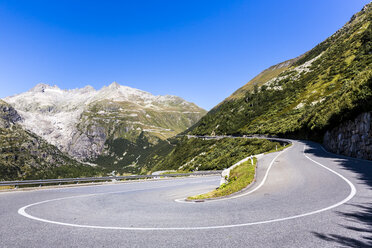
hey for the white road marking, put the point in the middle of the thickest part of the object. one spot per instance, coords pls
(246, 193)
(22, 211)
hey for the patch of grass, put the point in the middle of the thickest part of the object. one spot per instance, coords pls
(175, 172)
(6, 187)
(259, 80)
(240, 177)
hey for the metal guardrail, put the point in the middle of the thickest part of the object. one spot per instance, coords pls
(98, 179)
(253, 136)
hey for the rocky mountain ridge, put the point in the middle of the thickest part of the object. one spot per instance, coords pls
(8, 115)
(85, 122)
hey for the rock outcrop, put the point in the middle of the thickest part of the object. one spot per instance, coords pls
(8, 115)
(24, 155)
(353, 138)
(88, 143)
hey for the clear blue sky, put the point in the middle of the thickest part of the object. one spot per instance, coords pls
(201, 50)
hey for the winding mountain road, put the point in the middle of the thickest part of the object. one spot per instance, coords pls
(303, 197)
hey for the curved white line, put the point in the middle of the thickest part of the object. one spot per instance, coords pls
(22, 211)
(246, 193)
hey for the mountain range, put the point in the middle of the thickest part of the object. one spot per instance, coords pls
(113, 127)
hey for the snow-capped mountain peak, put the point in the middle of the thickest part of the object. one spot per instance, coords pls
(41, 87)
(55, 114)
(114, 85)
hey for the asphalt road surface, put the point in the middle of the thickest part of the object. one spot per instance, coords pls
(303, 197)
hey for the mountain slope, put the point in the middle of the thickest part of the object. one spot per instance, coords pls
(305, 96)
(24, 155)
(193, 154)
(113, 127)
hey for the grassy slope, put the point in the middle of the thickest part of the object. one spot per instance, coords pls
(124, 156)
(262, 78)
(197, 154)
(303, 103)
(240, 177)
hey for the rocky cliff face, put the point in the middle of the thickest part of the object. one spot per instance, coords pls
(24, 155)
(352, 138)
(8, 115)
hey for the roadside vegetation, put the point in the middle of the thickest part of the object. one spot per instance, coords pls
(197, 154)
(6, 187)
(240, 177)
